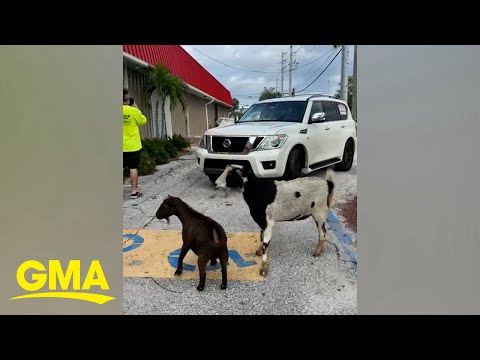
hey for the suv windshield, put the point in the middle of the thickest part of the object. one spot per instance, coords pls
(290, 111)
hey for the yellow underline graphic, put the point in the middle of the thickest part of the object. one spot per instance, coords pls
(95, 298)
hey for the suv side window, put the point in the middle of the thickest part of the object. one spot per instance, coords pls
(317, 106)
(343, 111)
(331, 111)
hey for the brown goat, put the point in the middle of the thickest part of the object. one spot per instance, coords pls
(204, 236)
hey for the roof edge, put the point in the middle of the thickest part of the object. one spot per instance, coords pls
(190, 87)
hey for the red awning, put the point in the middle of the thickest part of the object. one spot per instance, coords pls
(182, 64)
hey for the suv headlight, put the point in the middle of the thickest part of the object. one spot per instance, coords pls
(203, 143)
(272, 142)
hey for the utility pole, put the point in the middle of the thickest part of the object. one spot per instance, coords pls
(344, 77)
(282, 67)
(291, 65)
(290, 72)
(276, 86)
(354, 96)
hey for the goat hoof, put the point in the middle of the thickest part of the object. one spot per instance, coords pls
(200, 288)
(178, 272)
(223, 286)
(264, 270)
(317, 252)
(259, 252)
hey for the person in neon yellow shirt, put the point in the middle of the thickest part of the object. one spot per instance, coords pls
(132, 142)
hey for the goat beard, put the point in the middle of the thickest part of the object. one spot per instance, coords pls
(168, 220)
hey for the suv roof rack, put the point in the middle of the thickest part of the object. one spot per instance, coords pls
(318, 95)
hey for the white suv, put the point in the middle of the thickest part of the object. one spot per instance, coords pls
(283, 138)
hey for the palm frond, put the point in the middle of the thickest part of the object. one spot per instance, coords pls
(165, 84)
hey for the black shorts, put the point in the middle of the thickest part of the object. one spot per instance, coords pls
(131, 159)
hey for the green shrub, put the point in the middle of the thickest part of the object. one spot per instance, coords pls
(146, 165)
(155, 150)
(170, 148)
(180, 142)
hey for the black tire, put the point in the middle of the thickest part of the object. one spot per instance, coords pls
(213, 178)
(348, 155)
(294, 165)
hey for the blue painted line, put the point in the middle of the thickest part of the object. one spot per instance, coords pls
(343, 238)
(337, 228)
(331, 217)
(233, 254)
(173, 261)
(137, 241)
(237, 259)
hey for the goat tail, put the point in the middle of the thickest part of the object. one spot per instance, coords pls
(219, 235)
(331, 186)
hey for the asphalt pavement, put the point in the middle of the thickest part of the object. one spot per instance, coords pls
(297, 282)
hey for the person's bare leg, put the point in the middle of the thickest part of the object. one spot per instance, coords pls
(134, 180)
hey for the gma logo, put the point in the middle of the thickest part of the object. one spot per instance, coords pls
(69, 281)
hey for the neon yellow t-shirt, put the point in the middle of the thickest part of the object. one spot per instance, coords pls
(132, 119)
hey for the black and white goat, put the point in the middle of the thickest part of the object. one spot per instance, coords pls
(226, 182)
(272, 201)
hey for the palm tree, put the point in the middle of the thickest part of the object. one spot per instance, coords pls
(165, 84)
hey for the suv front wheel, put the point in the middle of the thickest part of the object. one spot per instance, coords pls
(294, 166)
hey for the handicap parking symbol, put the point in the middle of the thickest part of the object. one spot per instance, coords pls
(137, 241)
(233, 254)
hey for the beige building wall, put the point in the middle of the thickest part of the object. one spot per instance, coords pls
(179, 125)
(196, 115)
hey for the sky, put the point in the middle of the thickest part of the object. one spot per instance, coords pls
(246, 69)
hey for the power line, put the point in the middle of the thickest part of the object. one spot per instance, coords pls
(313, 73)
(233, 67)
(322, 71)
(329, 52)
(313, 47)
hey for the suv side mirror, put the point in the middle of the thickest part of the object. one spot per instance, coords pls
(318, 117)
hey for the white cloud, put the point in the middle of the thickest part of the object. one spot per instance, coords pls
(266, 59)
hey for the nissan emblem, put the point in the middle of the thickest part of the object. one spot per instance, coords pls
(227, 143)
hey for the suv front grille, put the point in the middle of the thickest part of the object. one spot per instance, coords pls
(217, 166)
(237, 144)
(257, 142)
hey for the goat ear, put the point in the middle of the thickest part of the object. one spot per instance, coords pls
(169, 196)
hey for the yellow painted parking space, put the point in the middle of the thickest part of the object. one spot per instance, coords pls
(154, 253)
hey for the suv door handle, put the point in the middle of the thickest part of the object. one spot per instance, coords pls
(343, 126)
(327, 128)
